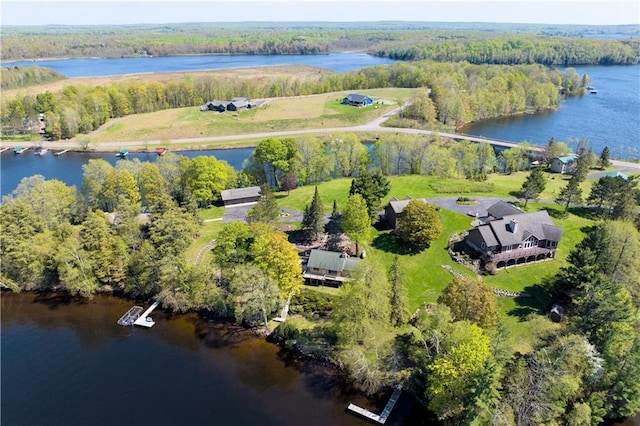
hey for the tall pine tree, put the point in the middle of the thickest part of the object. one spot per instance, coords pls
(313, 219)
(533, 185)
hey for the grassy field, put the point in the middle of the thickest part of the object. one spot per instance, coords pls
(298, 72)
(275, 114)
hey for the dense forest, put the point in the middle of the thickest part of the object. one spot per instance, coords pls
(12, 78)
(476, 43)
(460, 93)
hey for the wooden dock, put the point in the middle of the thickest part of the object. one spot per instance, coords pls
(3, 150)
(57, 154)
(379, 418)
(145, 320)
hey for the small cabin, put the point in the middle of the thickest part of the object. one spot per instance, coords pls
(329, 268)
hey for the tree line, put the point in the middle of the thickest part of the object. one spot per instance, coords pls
(514, 49)
(460, 93)
(15, 77)
(475, 43)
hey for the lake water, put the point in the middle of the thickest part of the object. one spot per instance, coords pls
(92, 67)
(609, 118)
(69, 363)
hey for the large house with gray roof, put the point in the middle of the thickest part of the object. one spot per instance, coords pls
(357, 100)
(328, 268)
(515, 239)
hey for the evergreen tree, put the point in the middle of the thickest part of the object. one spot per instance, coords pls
(603, 162)
(399, 302)
(570, 194)
(373, 187)
(533, 185)
(266, 210)
(313, 218)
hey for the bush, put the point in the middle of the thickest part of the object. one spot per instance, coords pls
(310, 303)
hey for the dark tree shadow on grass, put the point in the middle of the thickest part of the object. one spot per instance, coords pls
(538, 302)
(389, 243)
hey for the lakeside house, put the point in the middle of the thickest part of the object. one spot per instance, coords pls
(564, 164)
(514, 239)
(234, 197)
(329, 268)
(357, 100)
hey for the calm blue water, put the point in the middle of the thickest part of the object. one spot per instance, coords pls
(68, 167)
(92, 67)
(610, 118)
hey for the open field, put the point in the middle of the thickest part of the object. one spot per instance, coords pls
(276, 114)
(299, 72)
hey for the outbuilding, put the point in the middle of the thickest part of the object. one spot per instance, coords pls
(563, 165)
(232, 197)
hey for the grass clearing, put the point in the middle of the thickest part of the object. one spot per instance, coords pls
(277, 114)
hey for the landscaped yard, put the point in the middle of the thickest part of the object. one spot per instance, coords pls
(424, 276)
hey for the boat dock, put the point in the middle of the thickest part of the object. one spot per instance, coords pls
(145, 320)
(380, 418)
(3, 150)
(57, 154)
(133, 316)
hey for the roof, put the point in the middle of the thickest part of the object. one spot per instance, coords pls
(239, 193)
(538, 224)
(331, 261)
(568, 159)
(355, 97)
(617, 173)
(487, 236)
(240, 99)
(399, 206)
(502, 209)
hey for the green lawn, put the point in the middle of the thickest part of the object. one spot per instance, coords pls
(423, 273)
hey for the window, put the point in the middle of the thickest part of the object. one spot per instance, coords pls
(483, 245)
(530, 242)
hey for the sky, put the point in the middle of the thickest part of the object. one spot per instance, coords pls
(88, 12)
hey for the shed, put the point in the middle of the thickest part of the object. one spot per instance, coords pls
(556, 313)
(563, 164)
(231, 197)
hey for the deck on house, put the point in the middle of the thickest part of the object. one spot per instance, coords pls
(380, 418)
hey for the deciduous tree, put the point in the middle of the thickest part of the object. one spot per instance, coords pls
(418, 225)
(533, 185)
(471, 300)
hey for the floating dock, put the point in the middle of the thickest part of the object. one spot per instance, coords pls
(134, 317)
(380, 418)
(131, 315)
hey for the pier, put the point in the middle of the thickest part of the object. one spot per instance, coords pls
(57, 154)
(3, 150)
(145, 320)
(133, 316)
(380, 418)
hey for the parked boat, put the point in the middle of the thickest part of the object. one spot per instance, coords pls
(123, 153)
(161, 151)
(41, 151)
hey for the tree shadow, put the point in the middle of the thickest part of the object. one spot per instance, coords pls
(387, 242)
(591, 213)
(538, 301)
